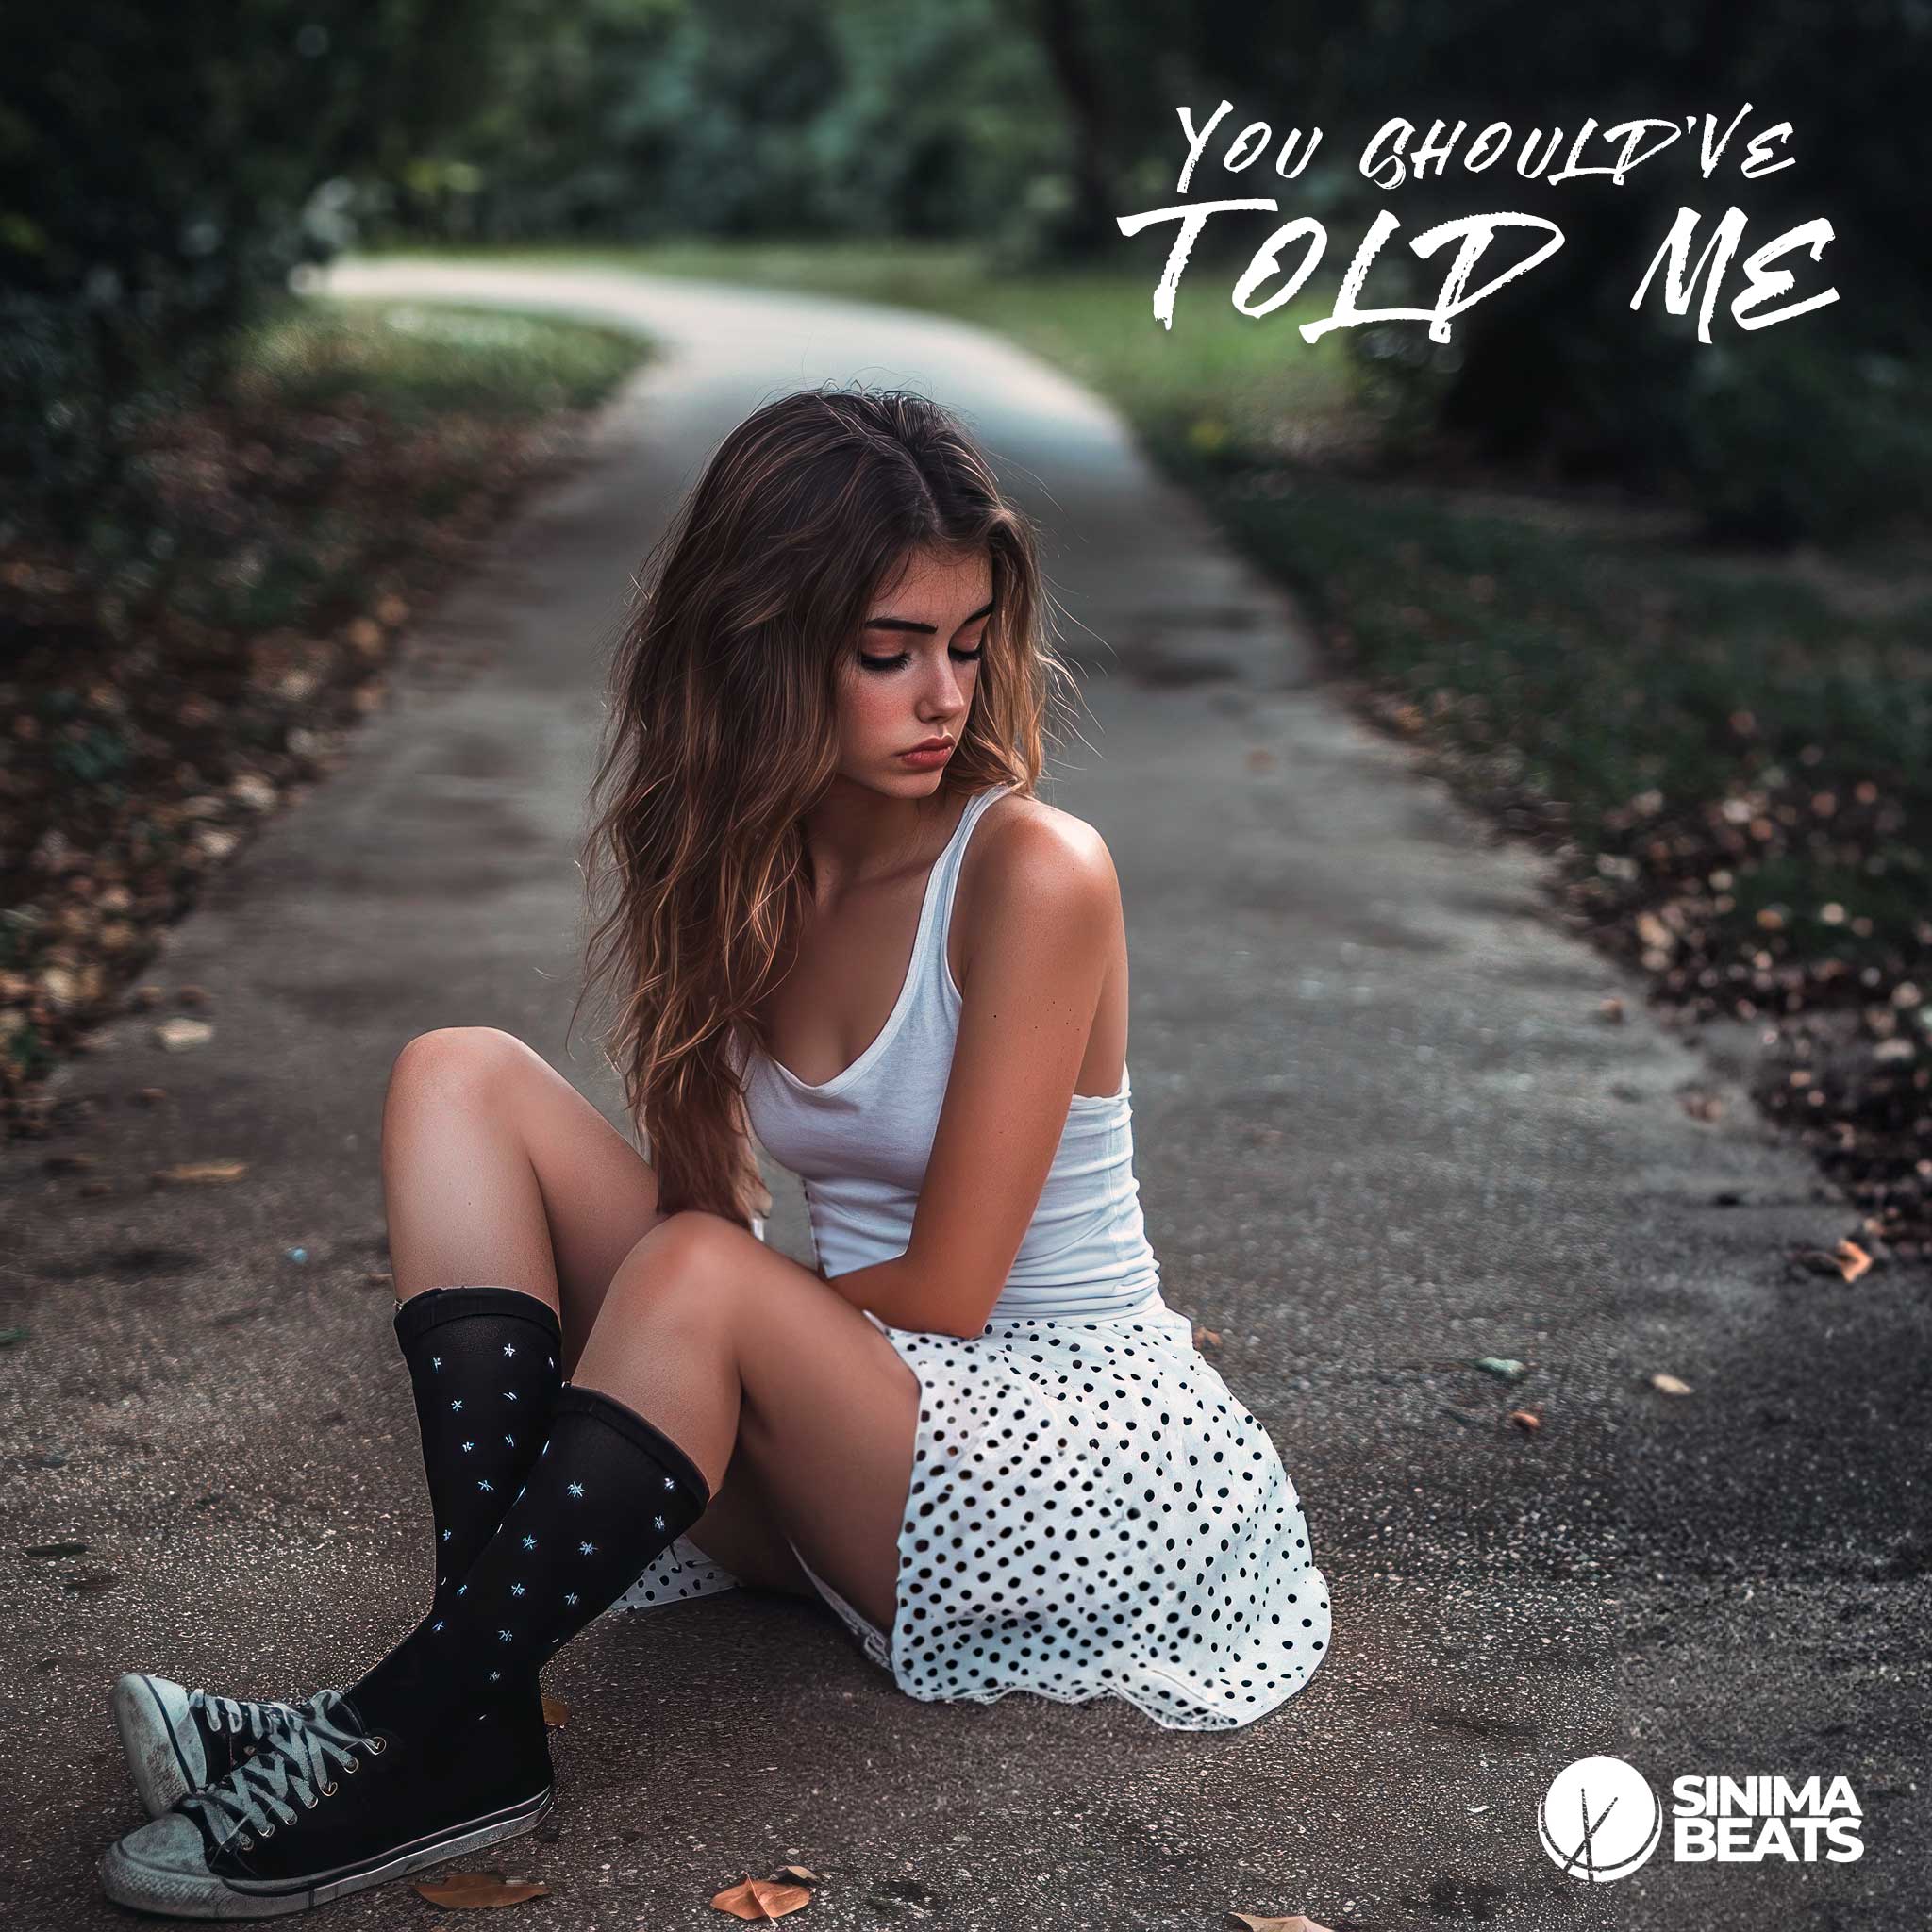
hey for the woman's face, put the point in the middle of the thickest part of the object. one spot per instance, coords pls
(910, 675)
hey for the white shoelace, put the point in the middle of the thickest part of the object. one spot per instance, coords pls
(292, 1761)
(237, 1714)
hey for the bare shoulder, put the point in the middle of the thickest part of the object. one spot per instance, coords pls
(1040, 839)
(1027, 857)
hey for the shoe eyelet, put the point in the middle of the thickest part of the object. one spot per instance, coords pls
(328, 1791)
(268, 1831)
(247, 1844)
(352, 1766)
(378, 1745)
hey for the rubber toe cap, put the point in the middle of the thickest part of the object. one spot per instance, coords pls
(161, 1867)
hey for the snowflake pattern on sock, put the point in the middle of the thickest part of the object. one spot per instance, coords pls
(465, 1347)
(530, 1591)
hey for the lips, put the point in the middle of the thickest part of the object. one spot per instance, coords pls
(930, 744)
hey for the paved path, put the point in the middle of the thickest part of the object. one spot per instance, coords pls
(1380, 1131)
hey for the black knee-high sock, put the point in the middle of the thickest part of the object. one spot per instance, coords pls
(608, 1490)
(484, 1365)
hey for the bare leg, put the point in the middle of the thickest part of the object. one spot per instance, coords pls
(719, 1341)
(497, 1171)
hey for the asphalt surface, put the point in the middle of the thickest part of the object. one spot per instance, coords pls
(1381, 1131)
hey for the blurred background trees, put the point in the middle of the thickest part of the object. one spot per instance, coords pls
(160, 170)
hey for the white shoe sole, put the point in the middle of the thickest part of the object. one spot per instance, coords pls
(154, 1753)
(181, 1894)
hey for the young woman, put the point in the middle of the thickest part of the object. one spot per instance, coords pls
(839, 920)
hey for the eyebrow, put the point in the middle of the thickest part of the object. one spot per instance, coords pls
(923, 629)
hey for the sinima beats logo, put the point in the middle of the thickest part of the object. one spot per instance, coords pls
(1600, 1820)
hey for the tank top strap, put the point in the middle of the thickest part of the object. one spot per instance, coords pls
(933, 969)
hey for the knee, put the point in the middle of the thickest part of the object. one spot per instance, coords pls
(463, 1061)
(683, 1251)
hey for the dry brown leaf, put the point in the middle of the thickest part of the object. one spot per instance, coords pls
(1525, 1418)
(1852, 1258)
(1817, 1261)
(1669, 1384)
(1295, 1921)
(470, 1891)
(556, 1711)
(762, 1898)
(193, 1172)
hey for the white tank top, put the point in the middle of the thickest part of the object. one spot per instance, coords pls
(860, 1141)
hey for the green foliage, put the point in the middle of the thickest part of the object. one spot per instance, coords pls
(161, 171)
(160, 168)
(1799, 429)
(634, 119)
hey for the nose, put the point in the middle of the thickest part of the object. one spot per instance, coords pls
(945, 696)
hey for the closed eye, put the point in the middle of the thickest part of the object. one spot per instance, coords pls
(904, 658)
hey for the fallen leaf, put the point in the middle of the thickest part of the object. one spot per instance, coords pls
(1501, 1365)
(556, 1711)
(470, 1891)
(198, 1173)
(178, 1036)
(1852, 1258)
(760, 1898)
(1669, 1384)
(1819, 1262)
(1525, 1418)
(1295, 1921)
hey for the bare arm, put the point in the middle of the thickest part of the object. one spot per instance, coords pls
(1050, 914)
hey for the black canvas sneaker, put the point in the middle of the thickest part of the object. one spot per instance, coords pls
(326, 1807)
(177, 1739)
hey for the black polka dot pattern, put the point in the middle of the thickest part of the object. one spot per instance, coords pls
(1091, 1513)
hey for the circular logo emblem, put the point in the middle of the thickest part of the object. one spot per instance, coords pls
(1600, 1820)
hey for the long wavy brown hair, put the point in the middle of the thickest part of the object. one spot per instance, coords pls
(722, 733)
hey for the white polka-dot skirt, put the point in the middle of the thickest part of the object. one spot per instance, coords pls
(1091, 1513)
